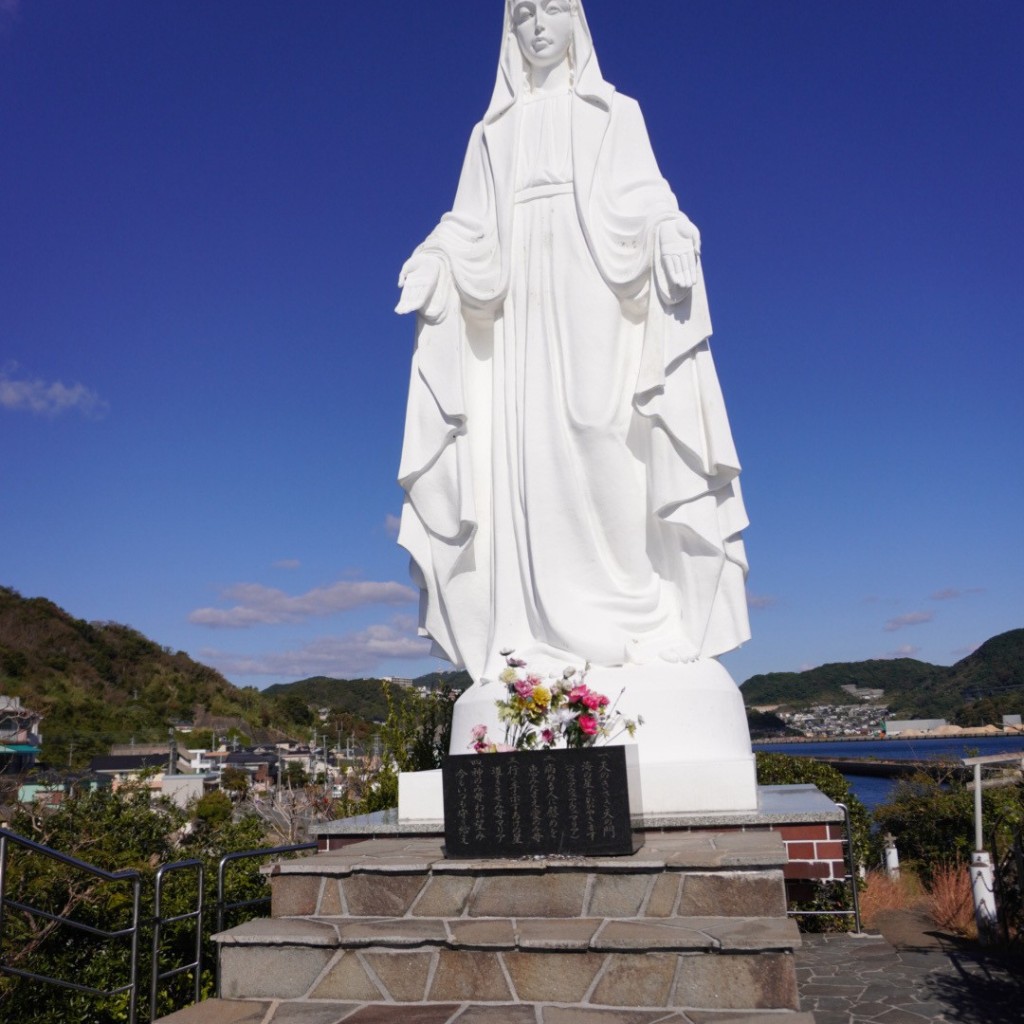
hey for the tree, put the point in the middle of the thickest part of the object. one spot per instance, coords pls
(214, 808)
(235, 781)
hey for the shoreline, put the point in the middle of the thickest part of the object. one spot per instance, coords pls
(967, 734)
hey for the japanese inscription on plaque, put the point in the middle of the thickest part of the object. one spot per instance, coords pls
(539, 801)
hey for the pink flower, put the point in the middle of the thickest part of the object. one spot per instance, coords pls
(594, 701)
(547, 736)
(524, 688)
(478, 732)
(588, 724)
(515, 662)
(577, 693)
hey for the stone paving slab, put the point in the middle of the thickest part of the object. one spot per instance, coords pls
(216, 1011)
(849, 980)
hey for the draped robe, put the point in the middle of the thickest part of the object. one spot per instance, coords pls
(571, 484)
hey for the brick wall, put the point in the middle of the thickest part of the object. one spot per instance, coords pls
(816, 853)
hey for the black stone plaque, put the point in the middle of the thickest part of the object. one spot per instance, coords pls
(540, 801)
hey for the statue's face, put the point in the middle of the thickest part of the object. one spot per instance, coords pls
(544, 30)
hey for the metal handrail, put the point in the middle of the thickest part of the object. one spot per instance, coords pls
(127, 876)
(851, 877)
(196, 966)
(230, 858)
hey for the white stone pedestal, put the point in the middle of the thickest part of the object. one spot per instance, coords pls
(694, 745)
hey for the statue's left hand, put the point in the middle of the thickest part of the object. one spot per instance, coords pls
(679, 251)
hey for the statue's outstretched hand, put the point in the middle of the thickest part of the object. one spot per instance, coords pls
(424, 284)
(678, 253)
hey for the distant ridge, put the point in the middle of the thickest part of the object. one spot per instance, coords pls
(978, 689)
(363, 698)
(99, 683)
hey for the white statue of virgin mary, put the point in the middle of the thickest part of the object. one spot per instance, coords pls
(571, 482)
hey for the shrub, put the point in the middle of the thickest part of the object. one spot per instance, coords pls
(950, 900)
(879, 893)
(933, 820)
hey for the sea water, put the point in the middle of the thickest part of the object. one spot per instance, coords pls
(872, 791)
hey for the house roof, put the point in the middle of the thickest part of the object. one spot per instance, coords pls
(127, 762)
(242, 758)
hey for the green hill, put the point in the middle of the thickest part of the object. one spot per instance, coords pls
(361, 698)
(987, 683)
(99, 683)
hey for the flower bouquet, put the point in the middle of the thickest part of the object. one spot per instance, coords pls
(540, 714)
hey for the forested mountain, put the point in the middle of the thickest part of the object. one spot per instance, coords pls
(976, 690)
(99, 683)
(363, 698)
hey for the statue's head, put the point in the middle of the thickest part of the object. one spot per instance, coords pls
(540, 34)
(543, 29)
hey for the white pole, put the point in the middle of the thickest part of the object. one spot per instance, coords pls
(982, 876)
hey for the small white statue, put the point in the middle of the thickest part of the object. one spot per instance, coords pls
(571, 482)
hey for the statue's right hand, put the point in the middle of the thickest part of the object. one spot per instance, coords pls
(419, 282)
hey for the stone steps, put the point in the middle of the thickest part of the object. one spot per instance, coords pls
(691, 928)
(675, 874)
(592, 962)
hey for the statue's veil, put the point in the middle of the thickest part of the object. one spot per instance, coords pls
(588, 83)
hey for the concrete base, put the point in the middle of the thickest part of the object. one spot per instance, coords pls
(694, 744)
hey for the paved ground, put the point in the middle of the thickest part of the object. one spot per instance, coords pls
(908, 975)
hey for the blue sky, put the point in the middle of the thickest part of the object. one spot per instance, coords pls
(204, 205)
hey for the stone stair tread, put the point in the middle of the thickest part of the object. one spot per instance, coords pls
(227, 1011)
(668, 850)
(711, 934)
(280, 931)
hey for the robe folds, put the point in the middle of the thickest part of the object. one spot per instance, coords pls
(571, 484)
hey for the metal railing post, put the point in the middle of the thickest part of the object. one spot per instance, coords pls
(3, 880)
(133, 1004)
(196, 965)
(222, 906)
(851, 866)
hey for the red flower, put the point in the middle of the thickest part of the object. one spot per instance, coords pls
(588, 724)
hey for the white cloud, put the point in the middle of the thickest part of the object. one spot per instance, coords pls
(952, 593)
(48, 398)
(391, 524)
(257, 605)
(905, 651)
(910, 619)
(758, 602)
(339, 657)
(287, 563)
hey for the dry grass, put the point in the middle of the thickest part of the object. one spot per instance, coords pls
(950, 901)
(880, 893)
